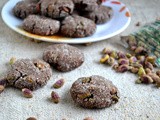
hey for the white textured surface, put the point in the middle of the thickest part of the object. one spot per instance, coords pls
(137, 102)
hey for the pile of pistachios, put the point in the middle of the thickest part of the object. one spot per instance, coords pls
(138, 63)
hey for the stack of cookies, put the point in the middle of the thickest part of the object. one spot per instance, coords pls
(70, 18)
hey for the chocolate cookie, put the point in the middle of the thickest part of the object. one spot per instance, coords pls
(94, 92)
(76, 26)
(40, 25)
(63, 57)
(31, 74)
(24, 8)
(100, 15)
(86, 5)
(56, 8)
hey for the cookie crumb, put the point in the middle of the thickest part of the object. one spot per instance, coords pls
(31, 118)
(138, 24)
(88, 118)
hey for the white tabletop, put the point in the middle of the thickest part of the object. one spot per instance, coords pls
(137, 102)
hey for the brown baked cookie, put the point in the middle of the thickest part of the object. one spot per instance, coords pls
(63, 57)
(77, 27)
(56, 8)
(40, 25)
(26, 7)
(31, 74)
(86, 5)
(94, 92)
(100, 15)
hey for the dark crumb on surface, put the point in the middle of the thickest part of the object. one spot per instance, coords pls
(138, 24)
(31, 118)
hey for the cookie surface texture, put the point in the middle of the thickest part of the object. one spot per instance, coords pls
(63, 57)
(31, 74)
(94, 92)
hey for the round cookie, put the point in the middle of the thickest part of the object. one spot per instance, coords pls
(86, 5)
(31, 74)
(94, 92)
(40, 25)
(77, 27)
(63, 57)
(56, 8)
(100, 15)
(24, 8)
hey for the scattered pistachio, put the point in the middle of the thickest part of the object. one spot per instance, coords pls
(146, 79)
(140, 51)
(31, 118)
(88, 118)
(132, 59)
(114, 54)
(104, 58)
(123, 68)
(147, 70)
(141, 71)
(154, 76)
(12, 60)
(136, 65)
(27, 93)
(115, 66)
(58, 83)
(123, 61)
(121, 55)
(106, 51)
(158, 83)
(151, 59)
(1, 88)
(158, 73)
(149, 65)
(138, 81)
(128, 55)
(111, 61)
(55, 97)
(134, 70)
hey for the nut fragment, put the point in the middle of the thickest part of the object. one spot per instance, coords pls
(128, 55)
(121, 55)
(114, 54)
(58, 83)
(151, 59)
(115, 66)
(12, 60)
(106, 51)
(104, 58)
(123, 68)
(147, 70)
(149, 65)
(111, 61)
(158, 73)
(138, 81)
(141, 71)
(123, 61)
(88, 118)
(27, 93)
(134, 70)
(140, 51)
(1, 88)
(55, 97)
(132, 59)
(146, 79)
(31, 118)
